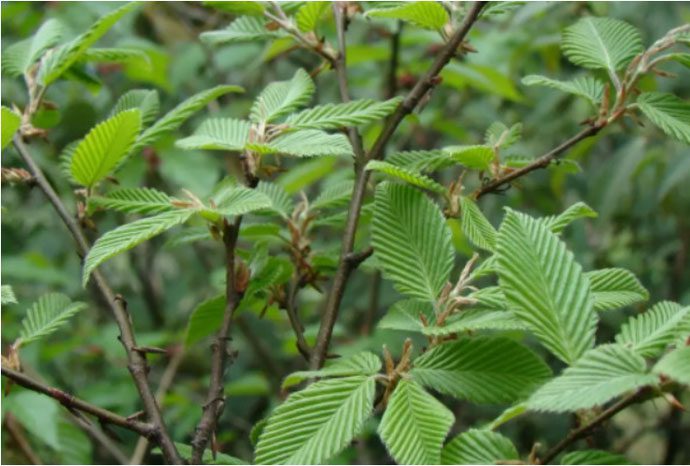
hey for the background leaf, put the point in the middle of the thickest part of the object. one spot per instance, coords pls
(668, 112)
(47, 315)
(479, 447)
(649, 333)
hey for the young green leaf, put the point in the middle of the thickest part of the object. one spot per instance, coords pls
(615, 288)
(281, 202)
(557, 223)
(602, 374)
(243, 29)
(146, 101)
(594, 457)
(65, 56)
(335, 116)
(601, 43)
(10, 124)
(479, 447)
(500, 136)
(47, 315)
(205, 319)
(283, 97)
(668, 112)
(406, 175)
(507, 415)
(675, 365)
(427, 15)
(333, 196)
(226, 134)
(239, 200)
(587, 87)
(126, 56)
(309, 14)
(7, 295)
(412, 241)
(475, 157)
(414, 425)
(134, 201)
(482, 370)
(476, 226)
(545, 287)
(421, 160)
(649, 333)
(306, 143)
(127, 236)
(315, 424)
(18, 58)
(364, 363)
(104, 147)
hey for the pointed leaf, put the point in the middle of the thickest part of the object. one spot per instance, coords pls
(18, 58)
(134, 201)
(614, 288)
(586, 87)
(406, 175)
(364, 363)
(649, 333)
(239, 200)
(334, 116)
(306, 143)
(8, 295)
(309, 14)
(10, 124)
(557, 223)
(668, 112)
(475, 157)
(145, 100)
(476, 226)
(675, 365)
(243, 29)
(47, 315)
(421, 160)
(500, 136)
(281, 202)
(428, 15)
(479, 447)
(226, 134)
(283, 97)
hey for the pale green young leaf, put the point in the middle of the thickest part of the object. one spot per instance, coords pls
(333, 196)
(18, 58)
(334, 116)
(205, 319)
(412, 241)
(306, 143)
(649, 333)
(489, 370)
(479, 447)
(146, 101)
(476, 226)
(601, 43)
(281, 202)
(125, 237)
(10, 124)
(406, 175)
(545, 287)
(7, 295)
(282, 98)
(675, 365)
(178, 115)
(670, 113)
(46, 316)
(104, 147)
(364, 363)
(507, 415)
(243, 29)
(414, 425)
(239, 200)
(594, 457)
(587, 87)
(498, 135)
(557, 223)
(315, 424)
(226, 134)
(600, 375)
(309, 14)
(134, 201)
(61, 59)
(427, 15)
(614, 288)
(421, 160)
(475, 157)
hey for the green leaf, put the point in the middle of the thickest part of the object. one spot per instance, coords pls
(239, 200)
(146, 101)
(10, 124)
(209, 457)
(37, 413)
(479, 447)
(427, 15)
(614, 288)
(127, 236)
(681, 58)
(128, 56)
(414, 425)
(675, 365)
(64, 57)
(507, 415)
(7, 295)
(545, 287)
(421, 160)
(587, 87)
(498, 135)
(134, 201)
(668, 112)
(412, 241)
(475, 157)
(243, 29)
(18, 58)
(309, 14)
(281, 202)
(557, 223)
(47, 315)
(476, 226)
(602, 374)
(649, 333)
(594, 457)
(75, 445)
(178, 115)
(601, 43)
(283, 97)
(482, 370)
(335, 116)
(333, 196)
(315, 424)
(104, 147)
(364, 363)
(226, 134)
(205, 319)
(238, 8)
(306, 143)
(406, 175)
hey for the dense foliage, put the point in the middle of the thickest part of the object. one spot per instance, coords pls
(350, 232)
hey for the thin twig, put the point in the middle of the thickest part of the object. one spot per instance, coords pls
(295, 321)
(136, 362)
(99, 436)
(345, 266)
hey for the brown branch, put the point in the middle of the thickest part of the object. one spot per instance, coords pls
(73, 403)
(136, 362)
(213, 405)
(581, 432)
(295, 322)
(541, 162)
(345, 266)
(99, 436)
